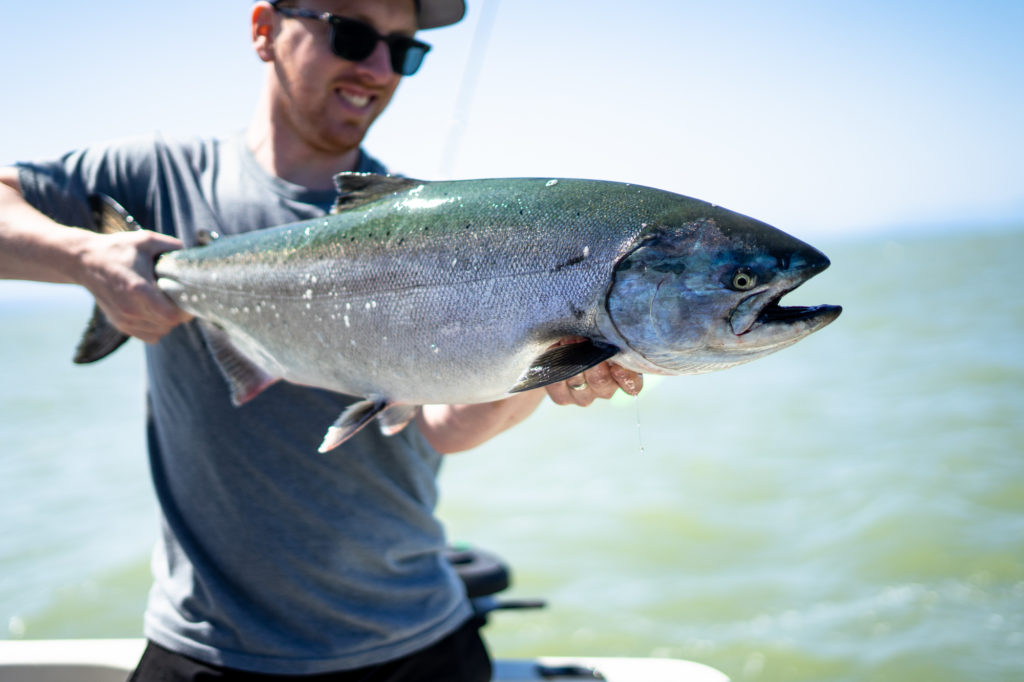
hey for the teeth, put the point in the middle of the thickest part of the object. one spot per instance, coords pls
(354, 99)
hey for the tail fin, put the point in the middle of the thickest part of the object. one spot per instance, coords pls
(101, 338)
(109, 217)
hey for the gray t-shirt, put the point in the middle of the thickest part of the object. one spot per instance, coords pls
(272, 558)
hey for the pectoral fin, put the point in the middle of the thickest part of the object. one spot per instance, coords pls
(562, 362)
(351, 420)
(245, 378)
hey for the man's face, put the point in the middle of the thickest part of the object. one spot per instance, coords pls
(328, 102)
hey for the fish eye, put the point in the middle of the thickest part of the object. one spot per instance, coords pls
(744, 280)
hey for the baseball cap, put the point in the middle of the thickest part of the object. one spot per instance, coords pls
(438, 13)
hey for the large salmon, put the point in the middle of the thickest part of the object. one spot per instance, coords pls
(414, 292)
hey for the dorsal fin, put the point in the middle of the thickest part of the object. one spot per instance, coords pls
(356, 189)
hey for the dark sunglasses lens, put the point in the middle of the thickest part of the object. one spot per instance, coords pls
(355, 41)
(406, 56)
(352, 40)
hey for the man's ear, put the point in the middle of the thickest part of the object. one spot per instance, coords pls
(263, 28)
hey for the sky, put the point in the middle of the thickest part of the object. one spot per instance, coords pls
(814, 116)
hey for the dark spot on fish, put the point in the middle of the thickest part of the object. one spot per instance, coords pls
(578, 313)
(568, 263)
(674, 267)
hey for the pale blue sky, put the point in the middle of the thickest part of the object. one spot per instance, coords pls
(814, 116)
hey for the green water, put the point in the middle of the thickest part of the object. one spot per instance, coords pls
(851, 508)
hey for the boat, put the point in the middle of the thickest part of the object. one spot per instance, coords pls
(484, 574)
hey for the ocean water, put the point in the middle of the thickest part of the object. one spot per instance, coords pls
(851, 508)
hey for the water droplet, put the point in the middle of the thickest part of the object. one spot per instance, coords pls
(16, 627)
(639, 434)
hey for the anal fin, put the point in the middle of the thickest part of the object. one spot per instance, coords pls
(245, 378)
(563, 362)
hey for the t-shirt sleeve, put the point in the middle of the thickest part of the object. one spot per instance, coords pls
(60, 188)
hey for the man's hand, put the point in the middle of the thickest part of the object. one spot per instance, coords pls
(600, 381)
(118, 270)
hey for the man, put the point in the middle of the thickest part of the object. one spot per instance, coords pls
(273, 561)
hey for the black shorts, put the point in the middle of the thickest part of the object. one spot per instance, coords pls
(460, 657)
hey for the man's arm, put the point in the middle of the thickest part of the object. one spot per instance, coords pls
(454, 428)
(116, 269)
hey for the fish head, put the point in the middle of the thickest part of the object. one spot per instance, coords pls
(705, 295)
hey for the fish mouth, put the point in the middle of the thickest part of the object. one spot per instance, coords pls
(761, 315)
(818, 315)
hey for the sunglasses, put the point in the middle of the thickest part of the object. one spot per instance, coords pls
(356, 40)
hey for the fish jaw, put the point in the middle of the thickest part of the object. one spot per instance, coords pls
(759, 321)
(706, 296)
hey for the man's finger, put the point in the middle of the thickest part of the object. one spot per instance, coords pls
(629, 381)
(600, 381)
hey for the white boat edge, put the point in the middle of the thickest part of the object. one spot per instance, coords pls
(110, 660)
